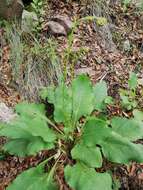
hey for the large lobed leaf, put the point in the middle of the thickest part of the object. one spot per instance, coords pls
(30, 110)
(33, 179)
(100, 94)
(129, 128)
(82, 97)
(91, 156)
(80, 177)
(30, 133)
(115, 146)
(62, 104)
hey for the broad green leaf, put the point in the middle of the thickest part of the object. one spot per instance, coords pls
(82, 97)
(23, 147)
(11, 131)
(22, 143)
(28, 136)
(120, 150)
(95, 130)
(100, 93)
(33, 179)
(71, 102)
(133, 81)
(62, 104)
(2, 125)
(37, 144)
(115, 147)
(80, 177)
(129, 128)
(91, 156)
(16, 147)
(38, 127)
(30, 110)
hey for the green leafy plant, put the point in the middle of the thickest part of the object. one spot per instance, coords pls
(38, 8)
(70, 103)
(128, 96)
(85, 143)
(138, 4)
(126, 3)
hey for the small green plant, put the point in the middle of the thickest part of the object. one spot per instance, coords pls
(126, 3)
(85, 143)
(128, 96)
(38, 8)
(71, 55)
(137, 4)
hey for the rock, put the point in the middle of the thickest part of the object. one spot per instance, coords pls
(11, 9)
(29, 20)
(55, 28)
(64, 21)
(126, 46)
(6, 113)
(59, 25)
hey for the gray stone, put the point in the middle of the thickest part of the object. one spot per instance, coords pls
(29, 21)
(64, 21)
(59, 25)
(126, 46)
(6, 113)
(55, 28)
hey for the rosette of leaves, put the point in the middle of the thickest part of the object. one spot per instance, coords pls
(29, 133)
(79, 99)
(99, 138)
